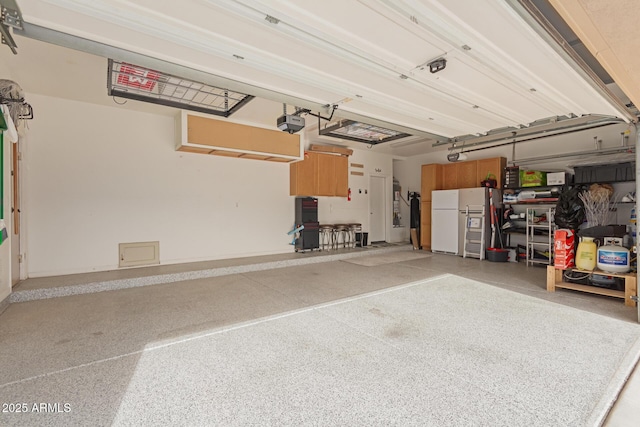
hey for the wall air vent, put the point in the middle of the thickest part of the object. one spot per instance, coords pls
(360, 132)
(146, 85)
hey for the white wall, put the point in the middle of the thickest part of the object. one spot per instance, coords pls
(338, 210)
(97, 176)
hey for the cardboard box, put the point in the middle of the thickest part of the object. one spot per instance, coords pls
(564, 249)
(556, 178)
(529, 178)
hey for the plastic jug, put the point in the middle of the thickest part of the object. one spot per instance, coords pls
(586, 254)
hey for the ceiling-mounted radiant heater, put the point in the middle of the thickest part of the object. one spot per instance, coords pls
(140, 83)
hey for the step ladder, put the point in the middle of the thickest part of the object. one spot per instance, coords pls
(474, 231)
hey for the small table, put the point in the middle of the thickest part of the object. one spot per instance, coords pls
(555, 280)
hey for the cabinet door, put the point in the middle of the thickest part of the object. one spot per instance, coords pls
(425, 225)
(467, 174)
(303, 176)
(494, 166)
(326, 175)
(431, 180)
(449, 176)
(502, 164)
(341, 172)
(320, 175)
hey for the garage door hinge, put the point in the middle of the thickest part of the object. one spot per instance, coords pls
(21, 257)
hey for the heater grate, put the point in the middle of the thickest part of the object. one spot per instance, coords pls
(143, 84)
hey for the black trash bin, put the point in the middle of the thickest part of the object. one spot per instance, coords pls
(361, 239)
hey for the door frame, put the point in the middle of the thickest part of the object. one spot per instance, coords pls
(16, 232)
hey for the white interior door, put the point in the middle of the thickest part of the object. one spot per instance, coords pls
(377, 209)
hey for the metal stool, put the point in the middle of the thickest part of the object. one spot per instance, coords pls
(354, 229)
(341, 231)
(326, 236)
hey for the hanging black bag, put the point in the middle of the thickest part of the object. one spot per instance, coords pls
(570, 209)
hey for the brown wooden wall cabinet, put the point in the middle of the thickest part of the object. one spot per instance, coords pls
(320, 174)
(452, 176)
(341, 176)
(303, 177)
(431, 180)
(201, 134)
(326, 169)
(492, 166)
(432, 177)
(449, 177)
(467, 174)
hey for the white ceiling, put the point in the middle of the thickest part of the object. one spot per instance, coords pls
(368, 57)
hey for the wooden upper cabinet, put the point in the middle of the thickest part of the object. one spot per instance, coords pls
(207, 135)
(494, 166)
(467, 173)
(431, 180)
(303, 177)
(450, 176)
(320, 175)
(341, 173)
(326, 175)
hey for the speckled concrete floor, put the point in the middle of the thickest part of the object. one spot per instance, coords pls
(68, 335)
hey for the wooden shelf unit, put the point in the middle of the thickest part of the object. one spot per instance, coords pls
(555, 278)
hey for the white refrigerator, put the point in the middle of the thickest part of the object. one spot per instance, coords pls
(444, 221)
(448, 217)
